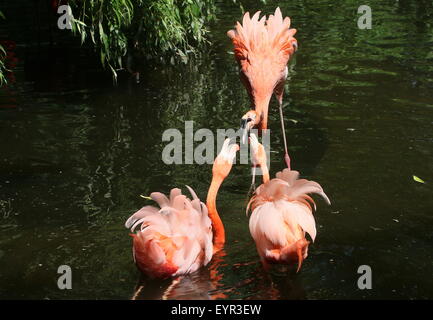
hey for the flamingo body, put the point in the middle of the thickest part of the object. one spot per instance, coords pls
(175, 239)
(182, 234)
(281, 215)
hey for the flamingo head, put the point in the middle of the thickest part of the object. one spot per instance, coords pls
(248, 121)
(224, 161)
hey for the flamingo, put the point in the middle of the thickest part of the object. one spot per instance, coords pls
(182, 235)
(262, 49)
(282, 213)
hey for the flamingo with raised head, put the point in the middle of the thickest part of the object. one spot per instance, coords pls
(282, 213)
(262, 49)
(182, 235)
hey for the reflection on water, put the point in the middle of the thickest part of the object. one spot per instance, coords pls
(76, 153)
(204, 284)
(208, 283)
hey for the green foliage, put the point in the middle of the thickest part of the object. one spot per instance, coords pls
(156, 28)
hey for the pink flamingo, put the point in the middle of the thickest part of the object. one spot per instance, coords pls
(182, 235)
(262, 49)
(282, 213)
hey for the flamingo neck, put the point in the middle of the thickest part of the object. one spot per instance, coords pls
(265, 172)
(261, 105)
(217, 225)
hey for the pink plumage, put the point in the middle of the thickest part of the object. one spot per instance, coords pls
(281, 215)
(263, 49)
(165, 245)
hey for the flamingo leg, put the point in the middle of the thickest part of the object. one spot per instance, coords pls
(253, 181)
(286, 154)
(252, 188)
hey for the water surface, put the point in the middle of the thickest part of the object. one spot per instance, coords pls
(76, 153)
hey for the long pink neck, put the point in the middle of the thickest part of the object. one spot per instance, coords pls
(261, 105)
(219, 237)
(265, 172)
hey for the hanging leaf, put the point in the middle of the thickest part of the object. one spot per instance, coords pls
(158, 28)
(417, 179)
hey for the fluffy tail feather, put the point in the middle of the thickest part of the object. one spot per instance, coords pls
(254, 36)
(301, 246)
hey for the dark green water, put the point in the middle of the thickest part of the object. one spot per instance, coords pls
(76, 153)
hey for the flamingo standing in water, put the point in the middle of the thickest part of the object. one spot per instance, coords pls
(182, 235)
(262, 49)
(282, 213)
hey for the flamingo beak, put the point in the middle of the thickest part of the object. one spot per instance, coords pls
(244, 131)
